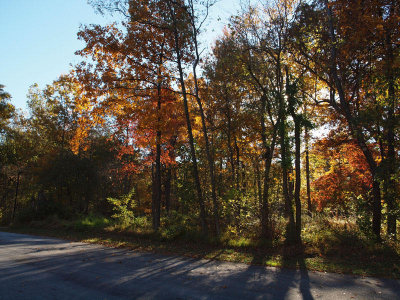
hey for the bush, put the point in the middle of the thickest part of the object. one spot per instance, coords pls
(123, 208)
(176, 225)
(141, 222)
(333, 236)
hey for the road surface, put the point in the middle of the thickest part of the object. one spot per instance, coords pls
(34, 267)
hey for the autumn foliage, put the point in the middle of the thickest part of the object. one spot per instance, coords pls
(292, 112)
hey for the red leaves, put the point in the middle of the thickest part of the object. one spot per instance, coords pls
(345, 173)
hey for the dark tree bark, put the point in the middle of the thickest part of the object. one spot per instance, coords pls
(233, 162)
(268, 154)
(167, 191)
(297, 201)
(307, 140)
(290, 230)
(16, 196)
(259, 191)
(343, 109)
(390, 162)
(157, 177)
(168, 176)
(178, 53)
(268, 149)
(237, 152)
(156, 205)
(228, 135)
(291, 90)
(285, 163)
(238, 206)
(210, 158)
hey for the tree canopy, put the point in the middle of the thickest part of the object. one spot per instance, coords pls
(292, 115)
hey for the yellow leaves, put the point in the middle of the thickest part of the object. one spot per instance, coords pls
(76, 141)
(197, 120)
(83, 104)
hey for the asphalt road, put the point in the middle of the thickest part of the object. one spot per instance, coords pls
(34, 267)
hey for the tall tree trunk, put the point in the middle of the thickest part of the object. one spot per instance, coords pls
(153, 196)
(268, 150)
(309, 205)
(168, 176)
(390, 163)
(267, 155)
(16, 197)
(167, 187)
(228, 134)
(290, 230)
(297, 201)
(376, 206)
(238, 168)
(259, 191)
(157, 184)
(238, 192)
(157, 178)
(390, 185)
(210, 158)
(177, 49)
(291, 91)
(356, 132)
(157, 212)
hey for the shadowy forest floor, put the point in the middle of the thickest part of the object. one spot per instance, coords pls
(325, 247)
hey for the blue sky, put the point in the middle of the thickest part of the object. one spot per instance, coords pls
(39, 39)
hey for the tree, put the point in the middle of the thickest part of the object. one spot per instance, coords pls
(6, 109)
(156, 32)
(343, 173)
(344, 59)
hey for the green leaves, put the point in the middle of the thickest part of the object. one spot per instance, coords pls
(123, 208)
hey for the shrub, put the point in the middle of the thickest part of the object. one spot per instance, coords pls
(141, 222)
(175, 225)
(123, 208)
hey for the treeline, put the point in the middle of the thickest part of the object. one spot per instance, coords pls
(295, 112)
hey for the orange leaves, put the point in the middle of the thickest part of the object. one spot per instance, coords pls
(344, 173)
(128, 84)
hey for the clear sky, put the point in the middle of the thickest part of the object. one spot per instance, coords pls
(38, 39)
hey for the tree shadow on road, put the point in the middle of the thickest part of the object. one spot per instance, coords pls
(294, 257)
(123, 273)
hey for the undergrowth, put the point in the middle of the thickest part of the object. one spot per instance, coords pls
(328, 244)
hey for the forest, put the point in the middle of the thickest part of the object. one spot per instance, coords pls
(285, 132)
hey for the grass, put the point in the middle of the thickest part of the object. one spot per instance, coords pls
(328, 246)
